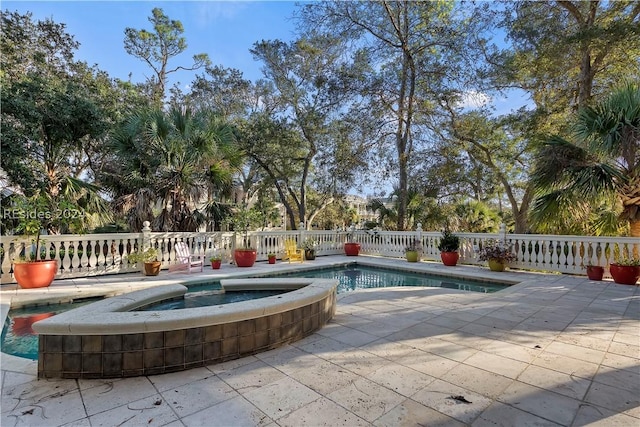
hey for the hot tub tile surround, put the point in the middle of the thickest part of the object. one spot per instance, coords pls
(106, 340)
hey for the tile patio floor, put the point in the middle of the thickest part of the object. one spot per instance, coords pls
(552, 350)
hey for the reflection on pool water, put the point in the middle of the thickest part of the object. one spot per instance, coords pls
(18, 338)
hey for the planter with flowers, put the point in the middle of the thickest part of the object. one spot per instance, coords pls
(309, 246)
(448, 246)
(216, 262)
(625, 271)
(412, 251)
(150, 260)
(496, 254)
(271, 257)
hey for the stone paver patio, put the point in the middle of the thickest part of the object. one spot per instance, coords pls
(551, 350)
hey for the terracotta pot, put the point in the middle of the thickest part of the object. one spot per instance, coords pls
(35, 274)
(449, 258)
(595, 272)
(412, 256)
(625, 274)
(245, 257)
(152, 268)
(216, 264)
(496, 265)
(352, 248)
(272, 260)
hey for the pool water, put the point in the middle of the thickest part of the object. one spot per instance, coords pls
(19, 339)
(203, 296)
(352, 277)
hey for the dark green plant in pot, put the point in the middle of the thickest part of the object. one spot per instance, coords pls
(449, 242)
(448, 246)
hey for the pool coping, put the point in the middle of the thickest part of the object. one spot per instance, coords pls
(115, 316)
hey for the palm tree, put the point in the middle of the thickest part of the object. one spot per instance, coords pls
(173, 162)
(603, 162)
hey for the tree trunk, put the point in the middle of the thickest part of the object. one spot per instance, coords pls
(634, 228)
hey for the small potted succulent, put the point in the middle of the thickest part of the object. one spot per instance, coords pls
(271, 257)
(150, 260)
(309, 246)
(448, 247)
(496, 254)
(412, 251)
(216, 261)
(625, 271)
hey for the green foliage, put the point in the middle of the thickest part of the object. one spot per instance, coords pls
(477, 217)
(149, 255)
(496, 250)
(242, 221)
(415, 246)
(176, 159)
(449, 242)
(309, 244)
(53, 122)
(629, 262)
(602, 162)
(156, 48)
(566, 53)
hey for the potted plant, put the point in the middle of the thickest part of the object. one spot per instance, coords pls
(216, 261)
(448, 247)
(594, 272)
(32, 269)
(625, 271)
(150, 260)
(496, 254)
(309, 246)
(351, 248)
(271, 257)
(244, 255)
(412, 252)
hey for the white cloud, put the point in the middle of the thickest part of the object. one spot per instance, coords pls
(474, 99)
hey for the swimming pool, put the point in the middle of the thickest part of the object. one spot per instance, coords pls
(350, 278)
(19, 339)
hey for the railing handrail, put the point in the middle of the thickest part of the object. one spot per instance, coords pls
(83, 255)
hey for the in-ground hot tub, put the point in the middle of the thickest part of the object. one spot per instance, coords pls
(107, 339)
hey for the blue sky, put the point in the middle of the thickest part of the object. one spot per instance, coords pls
(225, 30)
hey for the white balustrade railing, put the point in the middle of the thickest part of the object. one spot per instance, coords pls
(82, 255)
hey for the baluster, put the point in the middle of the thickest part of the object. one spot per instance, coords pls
(92, 256)
(599, 257)
(99, 252)
(547, 251)
(74, 256)
(561, 254)
(536, 253)
(81, 256)
(571, 256)
(9, 255)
